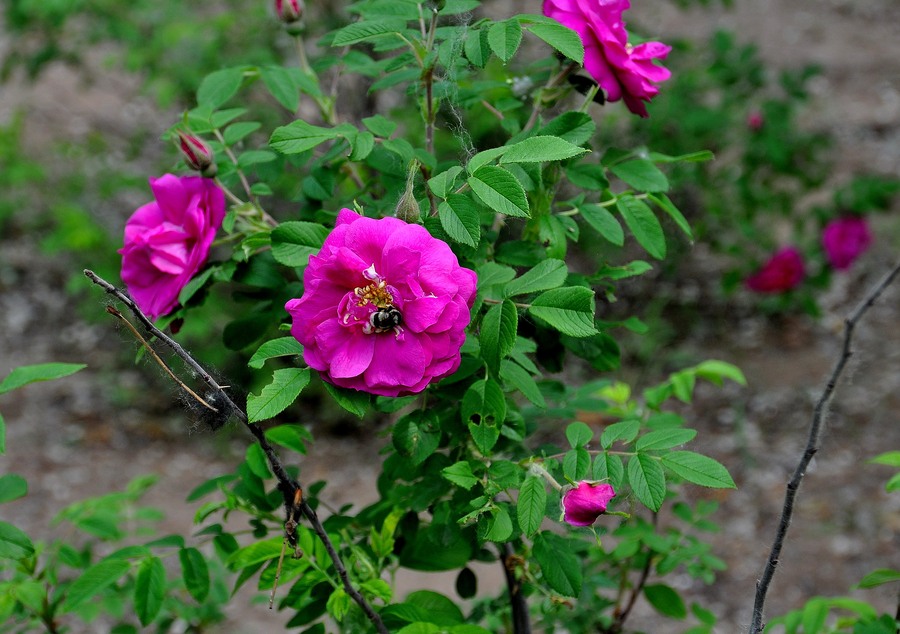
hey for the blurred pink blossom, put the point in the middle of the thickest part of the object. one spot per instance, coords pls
(845, 239)
(384, 308)
(586, 501)
(783, 271)
(168, 240)
(623, 71)
(755, 120)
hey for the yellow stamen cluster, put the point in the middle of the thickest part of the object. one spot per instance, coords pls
(376, 294)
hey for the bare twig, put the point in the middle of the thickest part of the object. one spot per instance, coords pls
(812, 446)
(294, 502)
(521, 618)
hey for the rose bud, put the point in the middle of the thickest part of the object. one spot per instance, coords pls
(197, 154)
(586, 501)
(289, 10)
(845, 239)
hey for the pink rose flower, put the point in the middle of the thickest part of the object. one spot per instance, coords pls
(168, 240)
(586, 501)
(623, 71)
(384, 308)
(781, 273)
(845, 239)
(755, 121)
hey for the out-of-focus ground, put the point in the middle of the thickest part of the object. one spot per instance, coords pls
(92, 432)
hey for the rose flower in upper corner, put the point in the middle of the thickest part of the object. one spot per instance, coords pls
(586, 501)
(623, 71)
(784, 271)
(845, 239)
(384, 308)
(168, 240)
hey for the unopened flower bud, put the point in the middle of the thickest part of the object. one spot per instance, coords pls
(197, 154)
(585, 502)
(289, 10)
(408, 208)
(755, 121)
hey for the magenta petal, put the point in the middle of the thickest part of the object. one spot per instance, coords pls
(584, 503)
(352, 358)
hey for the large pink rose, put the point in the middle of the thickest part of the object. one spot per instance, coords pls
(781, 273)
(845, 239)
(384, 308)
(585, 502)
(623, 71)
(168, 240)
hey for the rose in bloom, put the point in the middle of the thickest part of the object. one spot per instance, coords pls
(623, 71)
(384, 308)
(168, 240)
(845, 239)
(586, 501)
(781, 273)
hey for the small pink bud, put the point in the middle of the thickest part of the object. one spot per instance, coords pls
(197, 154)
(755, 121)
(586, 501)
(845, 239)
(289, 10)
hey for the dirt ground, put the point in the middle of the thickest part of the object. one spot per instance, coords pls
(93, 432)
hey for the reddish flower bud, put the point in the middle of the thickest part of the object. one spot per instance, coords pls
(289, 10)
(782, 272)
(197, 154)
(586, 501)
(755, 121)
(845, 239)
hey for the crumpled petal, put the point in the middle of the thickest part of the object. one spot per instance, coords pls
(586, 501)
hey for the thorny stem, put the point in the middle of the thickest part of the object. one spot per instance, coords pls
(520, 617)
(812, 446)
(295, 504)
(428, 80)
(234, 160)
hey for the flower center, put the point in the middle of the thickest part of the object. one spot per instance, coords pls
(375, 307)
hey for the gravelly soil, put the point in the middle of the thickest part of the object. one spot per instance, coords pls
(92, 432)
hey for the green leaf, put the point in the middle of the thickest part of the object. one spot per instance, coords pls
(541, 149)
(460, 219)
(294, 437)
(500, 191)
(485, 436)
(149, 589)
(879, 577)
(624, 431)
(362, 145)
(2, 435)
(604, 223)
(698, 469)
(40, 372)
(380, 125)
(574, 127)
(504, 38)
(417, 435)
(608, 468)
(674, 213)
(562, 38)
(440, 610)
(641, 174)
(498, 334)
(354, 401)
(220, 86)
(294, 241)
(578, 434)
(644, 225)
(520, 379)
(237, 131)
(477, 48)
(570, 310)
(665, 600)
(93, 581)
(664, 439)
(255, 553)
(365, 30)
(285, 387)
(14, 544)
(300, 136)
(588, 176)
(12, 487)
(195, 573)
(576, 464)
(442, 184)
(461, 475)
(281, 347)
(531, 505)
(559, 565)
(716, 371)
(281, 85)
(648, 481)
(498, 527)
(483, 158)
(548, 274)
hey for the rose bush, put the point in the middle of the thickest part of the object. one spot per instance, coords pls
(385, 307)
(624, 72)
(168, 240)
